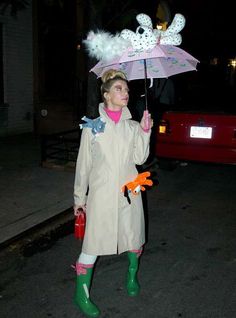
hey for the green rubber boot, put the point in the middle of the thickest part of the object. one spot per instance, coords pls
(133, 286)
(82, 294)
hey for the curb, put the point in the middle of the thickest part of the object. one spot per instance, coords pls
(49, 230)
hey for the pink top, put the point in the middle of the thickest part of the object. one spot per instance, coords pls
(114, 114)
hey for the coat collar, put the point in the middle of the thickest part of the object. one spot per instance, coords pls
(124, 115)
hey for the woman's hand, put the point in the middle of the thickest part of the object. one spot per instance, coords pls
(78, 209)
(146, 121)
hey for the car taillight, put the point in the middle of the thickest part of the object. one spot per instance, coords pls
(163, 127)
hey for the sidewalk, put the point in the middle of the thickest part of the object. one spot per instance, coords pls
(29, 194)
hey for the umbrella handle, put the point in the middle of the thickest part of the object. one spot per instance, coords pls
(147, 120)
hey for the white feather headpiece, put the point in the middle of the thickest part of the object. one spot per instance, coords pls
(104, 45)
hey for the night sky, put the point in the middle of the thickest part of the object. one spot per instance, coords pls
(209, 29)
(208, 34)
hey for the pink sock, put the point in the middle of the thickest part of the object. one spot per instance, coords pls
(138, 252)
(81, 269)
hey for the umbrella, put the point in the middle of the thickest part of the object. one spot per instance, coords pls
(160, 62)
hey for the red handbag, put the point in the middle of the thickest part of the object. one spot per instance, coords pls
(80, 223)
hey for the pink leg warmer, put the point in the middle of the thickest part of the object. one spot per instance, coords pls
(81, 269)
(138, 252)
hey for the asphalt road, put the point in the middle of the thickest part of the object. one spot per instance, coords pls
(188, 268)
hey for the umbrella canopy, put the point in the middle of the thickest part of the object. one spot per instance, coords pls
(160, 62)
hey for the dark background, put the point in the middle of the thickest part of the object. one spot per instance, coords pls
(64, 71)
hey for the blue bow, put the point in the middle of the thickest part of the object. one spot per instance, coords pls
(97, 125)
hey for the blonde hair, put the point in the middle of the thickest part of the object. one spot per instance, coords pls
(111, 74)
(109, 78)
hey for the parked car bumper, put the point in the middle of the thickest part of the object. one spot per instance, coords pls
(196, 153)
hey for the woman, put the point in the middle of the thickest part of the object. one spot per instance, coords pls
(106, 161)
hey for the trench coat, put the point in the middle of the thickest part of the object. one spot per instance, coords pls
(104, 164)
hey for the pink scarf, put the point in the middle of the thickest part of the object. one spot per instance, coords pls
(114, 114)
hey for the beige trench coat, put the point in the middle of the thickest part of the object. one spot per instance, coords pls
(105, 163)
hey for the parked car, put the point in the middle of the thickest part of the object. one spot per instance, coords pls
(197, 136)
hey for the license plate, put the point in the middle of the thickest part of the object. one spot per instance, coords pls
(201, 132)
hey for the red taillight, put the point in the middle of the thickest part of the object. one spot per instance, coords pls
(163, 127)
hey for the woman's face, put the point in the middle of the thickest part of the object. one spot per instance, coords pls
(118, 96)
